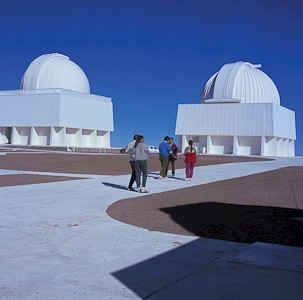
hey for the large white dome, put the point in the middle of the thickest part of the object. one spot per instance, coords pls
(240, 82)
(54, 71)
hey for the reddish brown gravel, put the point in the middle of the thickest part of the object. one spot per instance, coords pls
(95, 164)
(264, 207)
(24, 179)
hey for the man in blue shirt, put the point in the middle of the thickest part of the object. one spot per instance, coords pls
(164, 153)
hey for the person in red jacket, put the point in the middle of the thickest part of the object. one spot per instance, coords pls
(190, 159)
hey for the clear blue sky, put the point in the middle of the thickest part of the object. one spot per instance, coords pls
(149, 56)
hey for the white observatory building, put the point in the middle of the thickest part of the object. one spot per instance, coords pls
(240, 114)
(54, 107)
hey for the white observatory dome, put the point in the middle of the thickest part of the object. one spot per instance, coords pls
(54, 71)
(240, 82)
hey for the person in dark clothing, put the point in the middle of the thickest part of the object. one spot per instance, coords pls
(130, 150)
(173, 156)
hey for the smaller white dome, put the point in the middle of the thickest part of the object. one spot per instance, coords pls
(240, 82)
(54, 71)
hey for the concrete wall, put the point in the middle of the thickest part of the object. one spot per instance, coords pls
(234, 119)
(264, 129)
(238, 145)
(55, 117)
(54, 136)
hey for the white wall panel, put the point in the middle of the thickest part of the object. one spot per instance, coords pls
(88, 113)
(56, 107)
(29, 110)
(249, 145)
(224, 119)
(284, 122)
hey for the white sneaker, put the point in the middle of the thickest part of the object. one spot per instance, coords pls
(143, 190)
(160, 177)
(187, 179)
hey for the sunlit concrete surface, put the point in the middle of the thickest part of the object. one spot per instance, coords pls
(57, 242)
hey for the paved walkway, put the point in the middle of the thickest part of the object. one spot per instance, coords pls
(57, 242)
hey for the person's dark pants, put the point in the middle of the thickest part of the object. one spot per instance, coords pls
(133, 176)
(141, 167)
(164, 165)
(172, 161)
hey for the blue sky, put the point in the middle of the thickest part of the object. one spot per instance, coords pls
(149, 56)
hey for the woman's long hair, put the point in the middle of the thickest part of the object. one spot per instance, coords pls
(190, 143)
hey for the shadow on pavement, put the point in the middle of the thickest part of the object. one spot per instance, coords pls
(116, 186)
(211, 269)
(151, 278)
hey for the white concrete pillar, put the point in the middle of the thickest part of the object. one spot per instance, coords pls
(99, 139)
(280, 148)
(235, 145)
(209, 147)
(106, 139)
(93, 141)
(68, 137)
(78, 138)
(292, 148)
(87, 138)
(33, 139)
(263, 146)
(185, 140)
(269, 146)
(14, 136)
(274, 146)
(57, 135)
(52, 137)
(2, 135)
(103, 139)
(285, 147)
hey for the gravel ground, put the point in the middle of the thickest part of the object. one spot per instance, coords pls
(264, 207)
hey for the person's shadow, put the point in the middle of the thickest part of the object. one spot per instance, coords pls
(155, 176)
(116, 186)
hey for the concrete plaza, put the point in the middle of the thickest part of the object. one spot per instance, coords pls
(57, 242)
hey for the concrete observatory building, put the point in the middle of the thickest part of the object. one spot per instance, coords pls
(240, 114)
(54, 107)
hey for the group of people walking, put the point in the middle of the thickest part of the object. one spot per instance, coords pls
(168, 153)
